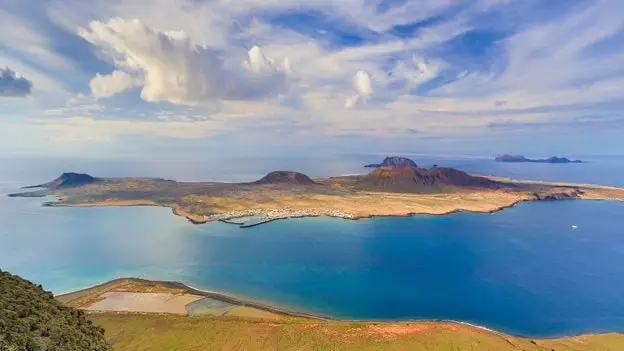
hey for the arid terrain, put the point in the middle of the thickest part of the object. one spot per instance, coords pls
(236, 325)
(386, 191)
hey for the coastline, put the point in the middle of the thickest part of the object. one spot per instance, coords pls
(248, 205)
(312, 317)
(228, 298)
(229, 217)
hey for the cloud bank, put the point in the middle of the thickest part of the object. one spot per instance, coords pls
(318, 69)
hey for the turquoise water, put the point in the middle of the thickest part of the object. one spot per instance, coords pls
(523, 270)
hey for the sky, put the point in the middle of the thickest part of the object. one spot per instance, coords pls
(113, 78)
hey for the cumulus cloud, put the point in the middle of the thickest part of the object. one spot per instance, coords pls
(11, 85)
(172, 68)
(107, 85)
(362, 83)
(363, 87)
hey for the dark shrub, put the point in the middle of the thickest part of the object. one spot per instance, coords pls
(31, 319)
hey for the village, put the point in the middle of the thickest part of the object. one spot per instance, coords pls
(249, 218)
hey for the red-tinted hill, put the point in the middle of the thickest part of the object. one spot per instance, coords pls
(421, 180)
(285, 177)
(394, 161)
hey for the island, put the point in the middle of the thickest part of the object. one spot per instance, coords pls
(520, 158)
(397, 190)
(392, 162)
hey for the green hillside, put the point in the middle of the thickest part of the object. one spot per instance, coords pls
(31, 319)
(135, 332)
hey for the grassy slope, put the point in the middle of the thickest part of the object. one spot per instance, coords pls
(31, 319)
(164, 332)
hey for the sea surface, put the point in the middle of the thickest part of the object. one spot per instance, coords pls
(523, 270)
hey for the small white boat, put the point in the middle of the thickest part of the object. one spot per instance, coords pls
(574, 226)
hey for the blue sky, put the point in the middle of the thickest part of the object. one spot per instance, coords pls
(243, 77)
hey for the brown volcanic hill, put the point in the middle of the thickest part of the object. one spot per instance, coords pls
(460, 178)
(415, 180)
(68, 180)
(393, 161)
(285, 177)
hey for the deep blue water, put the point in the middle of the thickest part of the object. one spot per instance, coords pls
(523, 270)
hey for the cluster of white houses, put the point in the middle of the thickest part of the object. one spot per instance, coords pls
(265, 215)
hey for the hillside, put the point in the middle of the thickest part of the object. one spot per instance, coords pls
(285, 177)
(68, 180)
(167, 332)
(421, 180)
(393, 161)
(31, 319)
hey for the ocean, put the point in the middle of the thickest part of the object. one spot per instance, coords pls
(523, 270)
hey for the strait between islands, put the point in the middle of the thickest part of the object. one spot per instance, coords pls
(400, 189)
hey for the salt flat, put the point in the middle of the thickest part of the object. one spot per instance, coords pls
(143, 302)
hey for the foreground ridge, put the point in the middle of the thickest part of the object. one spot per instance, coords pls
(252, 326)
(31, 319)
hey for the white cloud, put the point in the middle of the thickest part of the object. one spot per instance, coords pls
(363, 87)
(217, 54)
(177, 70)
(25, 37)
(362, 83)
(116, 82)
(352, 101)
(416, 71)
(408, 12)
(28, 49)
(556, 49)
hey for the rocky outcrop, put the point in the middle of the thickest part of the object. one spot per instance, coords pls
(558, 194)
(285, 177)
(520, 158)
(393, 161)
